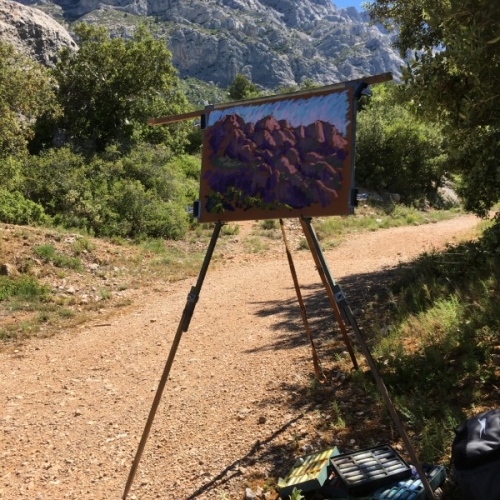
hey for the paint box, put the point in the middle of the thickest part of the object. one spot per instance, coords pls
(365, 470)
(412, 488)
(308, 473)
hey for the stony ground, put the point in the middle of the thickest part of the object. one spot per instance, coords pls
(241, 401)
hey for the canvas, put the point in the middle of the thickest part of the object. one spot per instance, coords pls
(277, 157)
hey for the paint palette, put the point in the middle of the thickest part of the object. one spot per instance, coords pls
(365, 470)
(308, 473)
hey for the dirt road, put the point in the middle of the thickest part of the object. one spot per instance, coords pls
(73, 407)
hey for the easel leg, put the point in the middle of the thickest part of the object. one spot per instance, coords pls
(312, 241)
(317, 367)
(187, 314)
(339, 298)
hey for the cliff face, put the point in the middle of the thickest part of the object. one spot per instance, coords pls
(272, 42)
(32, 32)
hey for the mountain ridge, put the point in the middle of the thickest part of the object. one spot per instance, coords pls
(274, 43)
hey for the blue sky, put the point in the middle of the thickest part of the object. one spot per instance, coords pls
(342, 4)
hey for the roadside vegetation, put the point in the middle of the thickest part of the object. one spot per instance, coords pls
(435, 331)
(331, 230)
(434, 334)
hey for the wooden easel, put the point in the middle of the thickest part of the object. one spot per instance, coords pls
(343, 315)
(338, 302)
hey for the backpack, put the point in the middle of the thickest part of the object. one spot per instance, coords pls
(475, 455)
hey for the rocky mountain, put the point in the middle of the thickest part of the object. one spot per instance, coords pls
(272, 42)
(32, 32)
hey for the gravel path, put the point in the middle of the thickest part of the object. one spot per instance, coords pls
(73, 407)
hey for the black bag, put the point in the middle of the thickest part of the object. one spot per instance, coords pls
(475, 454)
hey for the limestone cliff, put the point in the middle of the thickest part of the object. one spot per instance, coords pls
(32, 32)
(272, 42)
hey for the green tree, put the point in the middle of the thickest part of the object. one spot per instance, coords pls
(453, 78)
(25, 94)
(111, 86)
(395, 151)
(242, 88)
(26, 91)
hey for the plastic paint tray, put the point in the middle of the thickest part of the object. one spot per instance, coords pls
(413, 489)
(365, 470)
(308, 473)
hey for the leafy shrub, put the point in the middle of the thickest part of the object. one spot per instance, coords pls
(143, 213)
(269, 224)
(16, 209)
(82, 245)
(396, 152)
(45, 252)
(49, 254)
(10, 172)
(242, 88)
(490, 241)
(303, 244)
(141, 194)
(189, 164)
(476, 157)
(26, 92)
(195, 140)
(24, 287)
(166, 220)
(230, 229)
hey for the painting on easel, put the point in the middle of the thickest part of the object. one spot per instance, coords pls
(280, 156)
(284, 156)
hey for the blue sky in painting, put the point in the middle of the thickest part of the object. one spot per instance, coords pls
(332, 108)
(342, 4)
